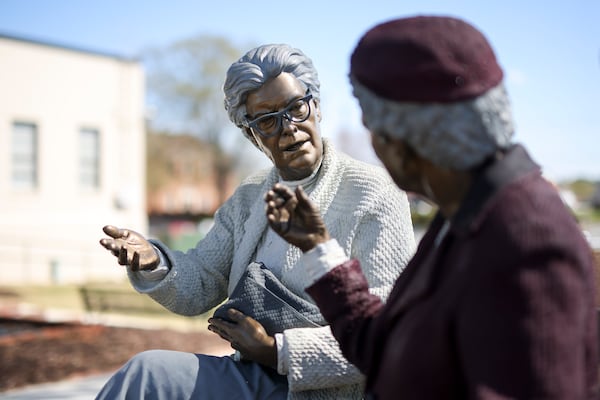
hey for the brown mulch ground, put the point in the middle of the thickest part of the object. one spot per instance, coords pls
(32, 352)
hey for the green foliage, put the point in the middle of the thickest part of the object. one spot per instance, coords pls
(421, 212)
(588, 215)
(421, 220)
(184, 89)
(185, 82)
(185, 242)
(582, 188)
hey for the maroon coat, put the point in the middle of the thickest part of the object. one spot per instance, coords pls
(503, 308)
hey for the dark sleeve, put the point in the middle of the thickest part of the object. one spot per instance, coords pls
(345, 302)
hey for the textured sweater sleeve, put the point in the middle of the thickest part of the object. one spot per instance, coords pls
(383, 241)
(344, 299)
(198, 278)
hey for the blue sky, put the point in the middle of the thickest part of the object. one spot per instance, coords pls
(550, 51)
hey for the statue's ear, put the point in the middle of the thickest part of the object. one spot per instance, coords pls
(317, 110)
(250, 136)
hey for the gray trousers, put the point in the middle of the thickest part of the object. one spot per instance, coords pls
(172, 375)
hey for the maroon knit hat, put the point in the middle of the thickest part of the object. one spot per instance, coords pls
(425, 59)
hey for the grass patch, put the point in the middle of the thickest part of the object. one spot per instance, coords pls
(49, 296)
(69, 298)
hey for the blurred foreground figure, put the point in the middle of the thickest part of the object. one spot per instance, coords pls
(272, 95)
(498, 302)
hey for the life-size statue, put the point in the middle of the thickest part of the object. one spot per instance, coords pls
(272, 95)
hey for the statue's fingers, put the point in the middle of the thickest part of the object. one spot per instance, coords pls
(284, 226)
(113, 231)
(135, 261)
(122, 255)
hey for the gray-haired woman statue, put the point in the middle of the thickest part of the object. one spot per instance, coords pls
(272, 95)
(499, 300)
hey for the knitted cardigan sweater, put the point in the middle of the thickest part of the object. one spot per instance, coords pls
(363, 210)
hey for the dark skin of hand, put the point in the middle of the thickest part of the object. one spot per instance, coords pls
(131, 248)
(245, 334)
(294, 217)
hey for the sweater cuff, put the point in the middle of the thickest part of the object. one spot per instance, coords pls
(282, 354)
(158, 273)
(323, 258)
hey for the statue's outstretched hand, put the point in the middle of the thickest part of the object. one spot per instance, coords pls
(130, 248)
(294, 217)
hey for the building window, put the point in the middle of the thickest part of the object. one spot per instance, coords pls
(89, 158)
(24, 156)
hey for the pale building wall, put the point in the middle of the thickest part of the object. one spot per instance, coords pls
(51, 233)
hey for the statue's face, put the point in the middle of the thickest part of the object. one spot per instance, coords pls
(296, 148)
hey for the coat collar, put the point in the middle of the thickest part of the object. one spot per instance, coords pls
(417, 280)
(487, 181)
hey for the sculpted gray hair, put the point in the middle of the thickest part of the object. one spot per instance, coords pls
(456, 135)
(259, 65)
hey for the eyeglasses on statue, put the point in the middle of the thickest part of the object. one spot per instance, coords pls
(271, 124)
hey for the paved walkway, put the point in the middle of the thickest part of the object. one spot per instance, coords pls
(84, 388)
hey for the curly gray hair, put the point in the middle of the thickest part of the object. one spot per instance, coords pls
(457, 135)
(255, 68)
